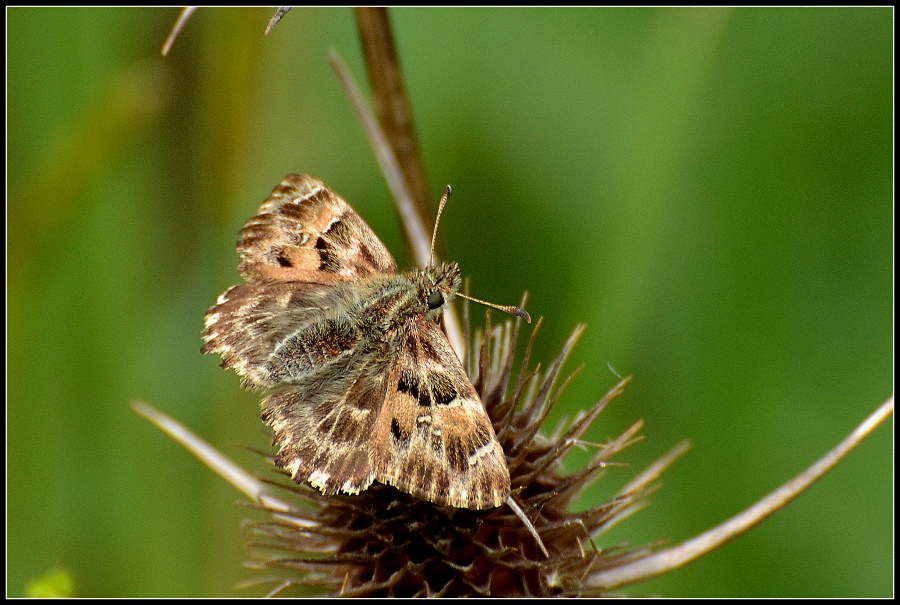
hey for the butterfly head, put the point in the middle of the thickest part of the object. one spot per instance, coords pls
(437, 284)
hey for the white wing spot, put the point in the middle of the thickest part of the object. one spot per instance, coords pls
(349, 488)
(308, 194)
(455, 402)
(359, 415)
(480, 453)
(317, 478)
(336, 219)
(293, 468)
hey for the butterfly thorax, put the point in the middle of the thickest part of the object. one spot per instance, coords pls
(389, 301)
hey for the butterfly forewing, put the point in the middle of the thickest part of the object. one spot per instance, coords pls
(268, 331)
(307, 232)
(433, 438)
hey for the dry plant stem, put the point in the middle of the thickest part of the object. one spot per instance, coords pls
(392, 105)
(413, 222)
(252, 487)
(176, 29)
(677, 556)
(281, 12)
(416, 233)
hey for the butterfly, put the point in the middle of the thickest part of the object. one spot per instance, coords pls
(361, 383)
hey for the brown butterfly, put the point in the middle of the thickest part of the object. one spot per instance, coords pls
(363, 384)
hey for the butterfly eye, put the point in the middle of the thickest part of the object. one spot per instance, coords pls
(435, 299)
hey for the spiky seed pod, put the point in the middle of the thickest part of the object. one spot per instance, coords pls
(385, 543)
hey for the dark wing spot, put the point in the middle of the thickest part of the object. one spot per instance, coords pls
(457, 455)
(429, 353)
(283, 261)
(442, 390)
(400, 437)
(366, 253)
(334, 244)
(439, 390)
(409, 385)
(339, 233)
(328, 259)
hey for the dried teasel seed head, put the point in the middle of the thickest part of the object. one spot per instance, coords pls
(385, 543)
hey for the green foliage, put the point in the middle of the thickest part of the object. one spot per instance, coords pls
(55, 584)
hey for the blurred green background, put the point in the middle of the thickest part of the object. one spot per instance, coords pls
(709, 190)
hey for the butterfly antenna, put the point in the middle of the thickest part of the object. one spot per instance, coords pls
(505, 308)
(436, 221)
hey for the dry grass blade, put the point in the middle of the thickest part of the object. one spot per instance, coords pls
(176, 29)
(252, 487)
(682, 554)
(281, 12)
(417, 235)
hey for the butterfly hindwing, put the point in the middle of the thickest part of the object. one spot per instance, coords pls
(272, 332)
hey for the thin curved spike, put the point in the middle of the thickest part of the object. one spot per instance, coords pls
(528, 525)
(544, 400)
(176, 29)
(281, 12)
(581, 426)
(672, 558)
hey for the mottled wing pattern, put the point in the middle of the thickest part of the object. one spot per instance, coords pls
(324, 420)
(295, 252)
(271, 331)
(433, 438)
(307, 232)
(330, 380)
(362, 386)
(304, 254)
